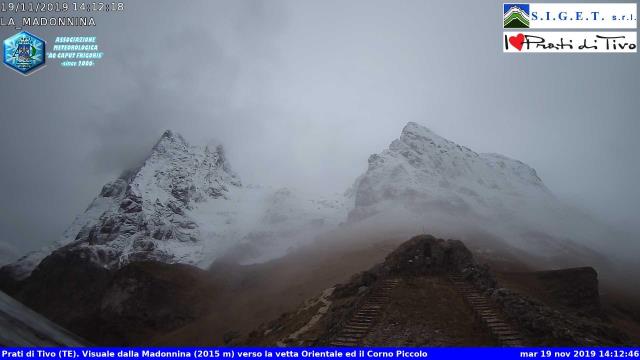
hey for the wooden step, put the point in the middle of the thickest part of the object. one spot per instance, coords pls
(499, 327)
(493, 320)
(512, 343)
(347, 339)
(361, 325)
(338, 343)
(505, 332)
(509, 338)
(353, 333)
(357, 328)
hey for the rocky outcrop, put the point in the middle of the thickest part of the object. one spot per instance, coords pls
(419, 256)
(427, 255)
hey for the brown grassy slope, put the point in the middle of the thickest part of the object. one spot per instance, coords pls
(258, 293)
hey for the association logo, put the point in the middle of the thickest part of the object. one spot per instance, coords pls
(516, 16)
(24, 52)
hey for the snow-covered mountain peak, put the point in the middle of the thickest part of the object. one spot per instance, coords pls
(424, 180)
(429, 156)
(422, 139)
(423, 167)
(185, 204)
(413, 129)
(170, 140)
(177, 171)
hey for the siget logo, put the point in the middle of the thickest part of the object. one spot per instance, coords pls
(602, 26)
(24, 52)
(597, 16)
(516, 16)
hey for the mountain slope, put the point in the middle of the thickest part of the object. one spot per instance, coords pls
(423, 180)
(184, 204)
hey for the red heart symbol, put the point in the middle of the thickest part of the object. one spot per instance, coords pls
(517, 41)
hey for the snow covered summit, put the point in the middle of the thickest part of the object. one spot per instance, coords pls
(185, 204)
(421, 168)
(426, 182)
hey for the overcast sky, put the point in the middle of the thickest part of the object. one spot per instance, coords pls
(301, 92)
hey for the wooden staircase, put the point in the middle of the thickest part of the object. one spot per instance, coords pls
(364, 318)
(487, 312)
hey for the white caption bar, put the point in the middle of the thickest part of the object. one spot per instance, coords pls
(569, 42)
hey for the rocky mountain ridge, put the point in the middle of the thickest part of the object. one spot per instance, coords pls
(185, 204)
(426, 182)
